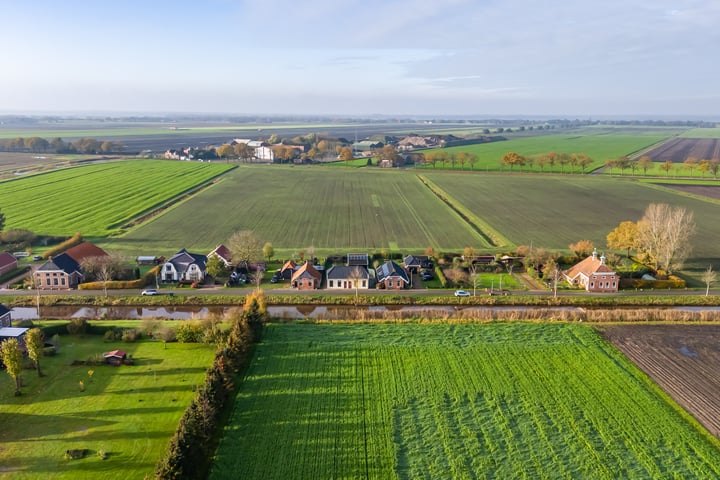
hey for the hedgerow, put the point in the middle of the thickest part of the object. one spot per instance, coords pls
(191, 448)
(76, 239)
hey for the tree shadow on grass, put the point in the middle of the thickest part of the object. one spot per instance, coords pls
(22, 427)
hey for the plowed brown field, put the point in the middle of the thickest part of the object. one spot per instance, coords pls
(679, 149)
(683, 359)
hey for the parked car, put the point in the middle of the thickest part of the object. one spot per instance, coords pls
(426, 276)
(149, 292)
(462, 293)
(37, 258)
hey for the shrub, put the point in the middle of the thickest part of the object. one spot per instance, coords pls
(129, 335)
(49, 351)
(77, 326)
(111, 335)
(166, 334)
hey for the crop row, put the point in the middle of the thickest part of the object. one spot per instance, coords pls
(97, 199)
(463, 401)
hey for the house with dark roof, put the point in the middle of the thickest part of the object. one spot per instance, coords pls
(223, 253)
(184, 267)
(5, 319)
(8, 263)
(593, 275)
(413, 263)
(392, 276)
(345, 276)
(359, 259)
(61, 272)
(307, 277)
(287, 270)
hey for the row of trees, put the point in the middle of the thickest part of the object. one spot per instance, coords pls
(550, 159)
(451, 157)
(646, 163)
(58, 145)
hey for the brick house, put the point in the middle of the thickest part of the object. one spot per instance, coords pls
(59, 273)
(593, 275)
(392, 276)
(306, 277)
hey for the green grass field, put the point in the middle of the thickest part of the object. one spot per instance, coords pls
(98, 199)
(130, 412)
(702, 133)
(599, 144)
(555, 211)
(463, 401)
(334, 210)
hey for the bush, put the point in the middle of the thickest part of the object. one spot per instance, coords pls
(166, 334)
(190, 332)
(49, 351)
(129, 335)
(111, 335)
(77, 326)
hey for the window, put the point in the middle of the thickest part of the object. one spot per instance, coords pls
(364, 283)
(47, 281)
(331, 284)
(55, 281)
(62, 280)
(592, 284)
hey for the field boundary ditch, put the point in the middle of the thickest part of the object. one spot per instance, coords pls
(489, 235)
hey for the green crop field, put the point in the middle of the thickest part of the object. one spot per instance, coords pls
(98, 199)
(702, 133)
(599, 144)
(555, 211)
(129, 412)
(463, 401)
(294, 208)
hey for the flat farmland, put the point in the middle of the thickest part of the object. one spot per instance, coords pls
(454, 401)
(554, 211)
(298, 207)
(678, 150)
(683, 359)
(702, 133)
(98, 199)
(600, 145)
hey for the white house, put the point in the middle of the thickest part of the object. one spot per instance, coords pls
(264, 153)
(342, 277)
(184, 266)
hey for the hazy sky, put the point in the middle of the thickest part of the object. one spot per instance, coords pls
(418, 57)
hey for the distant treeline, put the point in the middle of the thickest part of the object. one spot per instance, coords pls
(58, 145)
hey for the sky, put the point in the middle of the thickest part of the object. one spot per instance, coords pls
(362, 57)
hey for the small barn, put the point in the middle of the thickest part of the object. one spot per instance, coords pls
(116, 357)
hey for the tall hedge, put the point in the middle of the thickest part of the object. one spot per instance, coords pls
(191, 449)
(76, 239)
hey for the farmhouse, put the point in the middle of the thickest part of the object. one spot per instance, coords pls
(593, 275)
(306, 277)
(184, 266)
(5, 320)
(342, 276)
(59, 273)
(8, 263)
(392, 276)
(264, 153)
(223, 253)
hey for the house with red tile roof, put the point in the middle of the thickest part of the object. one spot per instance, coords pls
(61, 272)
(8, 263)
(306, 277)
(593, 275)
(84, 251)
(223, 253)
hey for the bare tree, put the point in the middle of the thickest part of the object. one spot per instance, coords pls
(553, 274)
(709, 276)
(356, 275)
(245, 247)
(664, 234)
(103, 269)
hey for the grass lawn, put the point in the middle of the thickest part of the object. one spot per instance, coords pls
(393, 401)
(130, 412)
(98, 199)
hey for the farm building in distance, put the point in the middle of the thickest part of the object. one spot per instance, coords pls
(8, 263)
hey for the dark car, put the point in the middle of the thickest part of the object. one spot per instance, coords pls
(426, 276)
